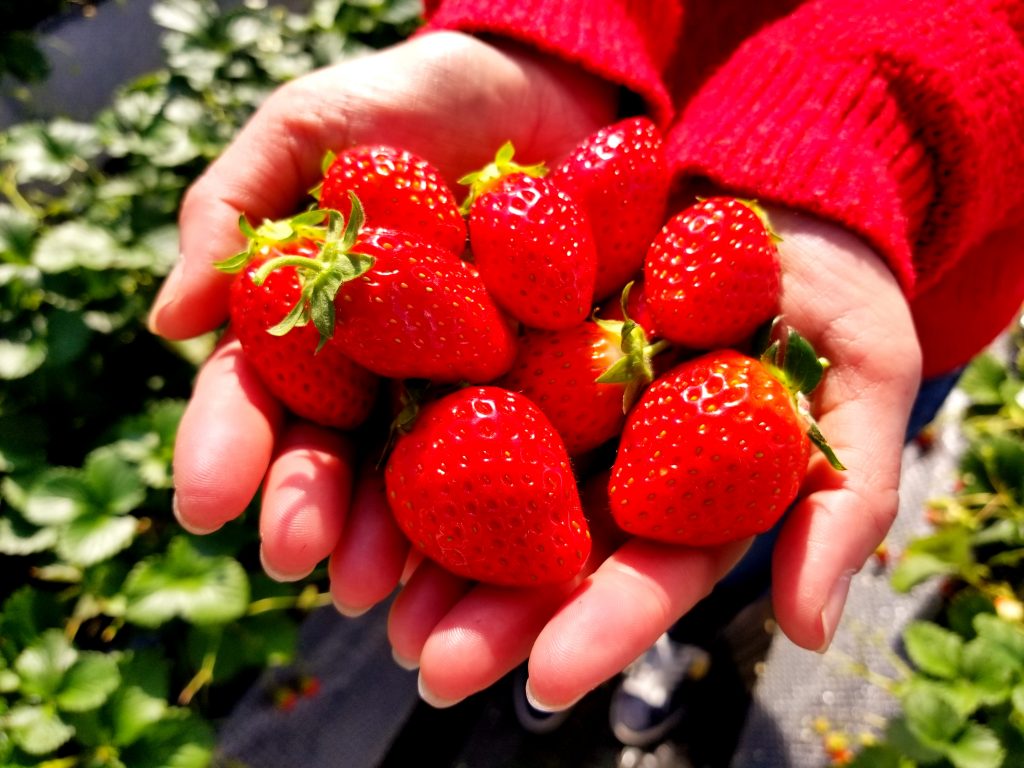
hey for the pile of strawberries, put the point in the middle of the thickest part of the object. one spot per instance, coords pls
(495, 347)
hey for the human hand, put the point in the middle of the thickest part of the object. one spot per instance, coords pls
(840, 296)
(463, 636)
(444, 96)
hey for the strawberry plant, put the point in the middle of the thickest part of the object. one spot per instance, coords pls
(123, 640)
(962, 694)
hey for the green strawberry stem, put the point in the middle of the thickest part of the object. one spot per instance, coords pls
(482, 181)
(322, 277)
(635, 368)
(793, 361)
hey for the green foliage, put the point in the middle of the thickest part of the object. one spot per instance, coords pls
(112, 619)
(962, 699)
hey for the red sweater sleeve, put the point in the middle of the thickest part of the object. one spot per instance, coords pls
(902, 120)
(628, 42)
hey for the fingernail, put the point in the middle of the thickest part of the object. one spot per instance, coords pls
(278, 575)
(190, 527)
(832, 612)
(404, 663)
(431, 698)
(166, 296)
(348, 611)
(541, 706)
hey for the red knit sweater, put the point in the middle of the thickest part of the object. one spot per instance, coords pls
(903, 120)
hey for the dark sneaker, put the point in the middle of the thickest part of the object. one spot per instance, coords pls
(531, 719)
(651, 699)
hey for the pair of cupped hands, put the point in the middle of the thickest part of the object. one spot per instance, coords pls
(452, 99)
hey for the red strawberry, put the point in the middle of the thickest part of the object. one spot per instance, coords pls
(325, 386)
(398, 190)
(712, 274)
(583, 378)
(482, 485)
(531, 243)
(619, 177)
(717, 448)
(397, 305)
(420, 313)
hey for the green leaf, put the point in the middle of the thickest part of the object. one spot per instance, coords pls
(189, 17)
(991, 669)
(114, 485)
(977, 747)
(19, 538)
(17, 232)
(77, 245)
(934, 650)
(20, 359)
(56, 497)
(134, 711)
(187, 584)
(983, 378)
(94, 537)
(51, 153)
(88, 682)
(931, 716)
(37, 730)
(43, 664)
(141, 701)
(948, 551)
(1017, 699)
(1006, 635)
(901, 736)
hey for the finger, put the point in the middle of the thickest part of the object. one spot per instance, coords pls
(484, 636)
(368, 562)
(428, 595)
(829, 535)
(306, 496)
(618, 612)
(857, 317)
(490, 630)
(224, 442)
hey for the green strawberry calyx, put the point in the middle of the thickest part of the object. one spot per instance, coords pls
(337, 262)
(635, 368)
(792, 360)
(484, 180)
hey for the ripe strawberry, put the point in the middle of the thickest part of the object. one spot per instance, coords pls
(717, 448)
(482, 485)
(619, 177)
(558, 371)
(419, 313)
(712, 274)
(326, 386)
(399, 306)
(531, 243)
(584, 378)
(398, 190)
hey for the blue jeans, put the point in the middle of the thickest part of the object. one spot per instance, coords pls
(751, 577)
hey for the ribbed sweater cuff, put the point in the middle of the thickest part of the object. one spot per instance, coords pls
(832, 143)
(627, 42)
(901, 125)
